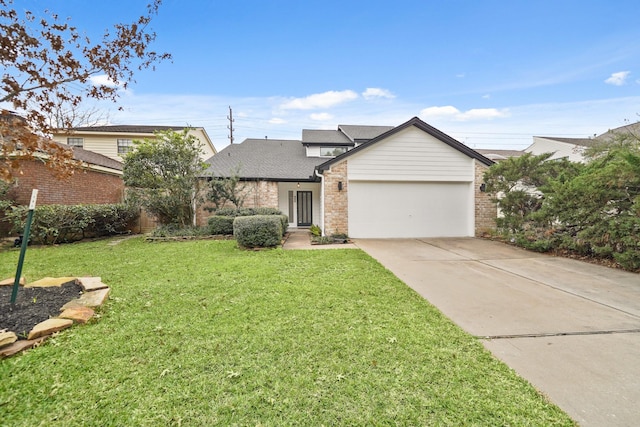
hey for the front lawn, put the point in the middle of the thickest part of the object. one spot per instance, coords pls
(203, 333)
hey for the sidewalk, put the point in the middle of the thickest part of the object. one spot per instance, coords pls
(300, 239)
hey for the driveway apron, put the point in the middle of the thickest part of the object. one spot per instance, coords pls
(570, 328)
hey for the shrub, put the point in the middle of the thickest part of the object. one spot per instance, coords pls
(266, 211)
(234, 212)
(258, 231)
(315, 230)
(629, 260)
(219, 224)
(66, 223)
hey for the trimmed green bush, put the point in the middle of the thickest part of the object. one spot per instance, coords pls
(234, 212)
(285, 223)
(67, 223)
(219, 224)
(258, 231)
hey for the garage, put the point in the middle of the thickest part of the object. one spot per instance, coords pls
(410, 209)
(412, 181)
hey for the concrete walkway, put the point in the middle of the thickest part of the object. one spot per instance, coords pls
(570, 328)
(300, 239)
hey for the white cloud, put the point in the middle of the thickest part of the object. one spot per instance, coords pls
(487, 96)
(320, 116)
(256, 117)
(618, 79)
(320, 100)
(102, 80)
(484, 113)
(448, 110)
(454, 114)
(375, 92)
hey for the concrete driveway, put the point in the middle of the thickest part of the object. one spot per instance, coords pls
(570, 328)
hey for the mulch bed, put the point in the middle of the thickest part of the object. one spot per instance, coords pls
(33, 305)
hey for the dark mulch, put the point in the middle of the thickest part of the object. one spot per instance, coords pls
(33, 305)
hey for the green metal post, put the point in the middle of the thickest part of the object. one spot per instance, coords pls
(23, 248)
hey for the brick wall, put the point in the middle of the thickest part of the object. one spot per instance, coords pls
(261, 194)
(336, 202)
(485, 210)
(83, 187)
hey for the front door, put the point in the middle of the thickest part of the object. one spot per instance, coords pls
(305, 217)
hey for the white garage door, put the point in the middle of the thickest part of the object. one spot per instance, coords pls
(417, 209)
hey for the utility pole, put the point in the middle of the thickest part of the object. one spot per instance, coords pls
(230, 127)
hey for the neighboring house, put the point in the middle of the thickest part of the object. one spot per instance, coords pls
(569, 148)
(97, 181)
(115, 140)
(499, 155)
(367, 181)
(573, 148)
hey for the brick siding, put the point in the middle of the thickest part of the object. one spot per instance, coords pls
(486, 211)
(83, 187)
(336, 202)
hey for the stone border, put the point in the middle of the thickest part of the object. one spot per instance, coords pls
(79, 310)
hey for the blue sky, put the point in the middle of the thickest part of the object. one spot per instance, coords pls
(489, 73)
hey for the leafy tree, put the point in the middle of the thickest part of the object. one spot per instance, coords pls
(599, 210)
(223, 190)
(518, 185)
(48, 63)
(163, 176)
(592, 209)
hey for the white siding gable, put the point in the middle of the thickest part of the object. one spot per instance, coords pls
(410, 155)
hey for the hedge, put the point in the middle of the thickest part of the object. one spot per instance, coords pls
(234, 212)
(222, 221)
(219, 224)
(66, 223)
(258, 230)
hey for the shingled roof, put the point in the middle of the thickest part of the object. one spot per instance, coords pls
(358, 133)
(92, 158)
(128, 128)
(318, 137)
(420, 125)
(633, 129)
(265, 159)
(497, 155)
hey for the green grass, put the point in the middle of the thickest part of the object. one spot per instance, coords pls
(202, 333)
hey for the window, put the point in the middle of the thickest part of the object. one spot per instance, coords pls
(124, 146)
(75, 142)
(332, 151)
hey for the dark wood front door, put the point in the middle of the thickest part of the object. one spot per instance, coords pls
(305, 217)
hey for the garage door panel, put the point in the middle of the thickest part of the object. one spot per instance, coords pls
(401, 209)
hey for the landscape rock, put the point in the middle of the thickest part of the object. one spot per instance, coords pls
(48, 327)
(10, 281)
(91, 283)
(7, 338)
(50, 281)
(19, 346)
(89, 299)
(78, 314)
